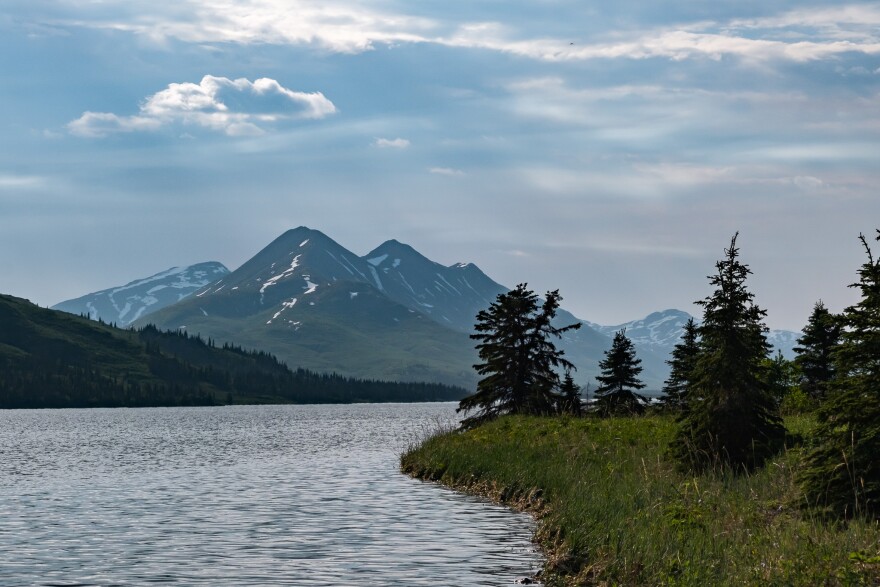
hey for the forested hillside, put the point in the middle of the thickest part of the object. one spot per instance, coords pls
(53, 359)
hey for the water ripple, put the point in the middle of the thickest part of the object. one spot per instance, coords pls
(246, 495)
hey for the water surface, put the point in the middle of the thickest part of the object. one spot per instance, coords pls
(245, 495)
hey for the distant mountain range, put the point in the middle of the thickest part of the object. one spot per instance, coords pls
(390, 314)
(661, 331)
(124, 304)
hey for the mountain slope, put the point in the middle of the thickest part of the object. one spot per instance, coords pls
(316, 305)
(451, 296)
(659, 332)
(124, 304)
(391, 314)
(55, 359)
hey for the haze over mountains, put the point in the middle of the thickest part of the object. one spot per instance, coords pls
(390, 314)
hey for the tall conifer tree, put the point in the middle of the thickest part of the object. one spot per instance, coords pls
(570, 396)
(820, 337)
(842, 476)
(732, 417)
(620, 379)
(520, 361)
(684, 358)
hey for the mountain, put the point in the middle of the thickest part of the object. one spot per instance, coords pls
(50, 358)
(659, 332)
(317, 305)
(451, 296)
(390, 314)
(124, 304)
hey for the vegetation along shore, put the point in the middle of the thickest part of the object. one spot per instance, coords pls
(750, 470)
(612, 507)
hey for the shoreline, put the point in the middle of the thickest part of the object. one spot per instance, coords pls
(612, 509)
(545, 537)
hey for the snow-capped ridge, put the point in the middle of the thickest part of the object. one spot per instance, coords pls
(127, 303)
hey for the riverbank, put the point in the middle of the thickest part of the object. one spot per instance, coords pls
(612, 508)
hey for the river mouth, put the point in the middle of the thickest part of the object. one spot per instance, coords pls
(242, 495)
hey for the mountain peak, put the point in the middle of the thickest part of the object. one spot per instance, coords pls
(300, 236)
(396, 252)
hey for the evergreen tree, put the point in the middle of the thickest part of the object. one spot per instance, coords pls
(620, 376)
(842, 476)
(684, 357)
(781, 376)
(520, 361)
(570, 400)
(732, 418)
(820, 337)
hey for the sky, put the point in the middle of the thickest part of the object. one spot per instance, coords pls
(606, 149)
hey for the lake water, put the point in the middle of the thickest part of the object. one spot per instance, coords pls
(244, 495)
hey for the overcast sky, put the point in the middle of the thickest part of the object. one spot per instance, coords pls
(608, 149)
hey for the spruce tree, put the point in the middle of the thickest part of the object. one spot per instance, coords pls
(732, 418)
(842, 476)
(684, 357)
(619, 378)
(520, 361)
(781, 376)
(570, 396)
(820, 337)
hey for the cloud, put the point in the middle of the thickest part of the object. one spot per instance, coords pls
(335, 26)
(517, 253)
(20, 181)
(397, 143)
(235, 107)
(348, 27)
(446, 171)
(676, 45)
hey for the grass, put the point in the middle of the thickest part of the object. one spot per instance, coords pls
(614, 510)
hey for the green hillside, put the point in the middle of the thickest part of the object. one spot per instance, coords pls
(54, 359)
(347, 327)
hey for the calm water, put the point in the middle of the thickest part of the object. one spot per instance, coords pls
(250, 495)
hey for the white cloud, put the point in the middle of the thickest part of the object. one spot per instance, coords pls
(335, 26)
(348, 27)
(20, 181)
(446, 171)
(235, 107)
(676, 45)
(397, 143)
(517, 253)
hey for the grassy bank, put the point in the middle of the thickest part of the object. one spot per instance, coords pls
(613, 509)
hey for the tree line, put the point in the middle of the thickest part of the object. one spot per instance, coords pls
(54, 360)
(725, 389)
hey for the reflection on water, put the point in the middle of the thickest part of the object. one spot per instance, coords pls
(245, 495)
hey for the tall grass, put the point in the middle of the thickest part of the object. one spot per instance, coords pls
(614, 509)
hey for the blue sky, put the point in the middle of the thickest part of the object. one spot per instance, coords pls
(606, 149)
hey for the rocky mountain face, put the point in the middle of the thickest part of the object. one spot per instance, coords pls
(317, 305)
(451, 296)
(661, 331)
(124, 304)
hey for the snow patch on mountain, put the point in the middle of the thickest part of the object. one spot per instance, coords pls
(661, 331)
(376, 277)
(124, 304)
(272, 281)
(284, 306)
(376, 261)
